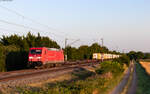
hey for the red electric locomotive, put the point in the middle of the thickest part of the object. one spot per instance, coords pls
(45, 57)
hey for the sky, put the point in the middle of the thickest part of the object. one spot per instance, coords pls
(123, 24)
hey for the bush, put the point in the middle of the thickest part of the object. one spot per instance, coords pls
(11, 58)
(124, 59)
(2, 60)
(109, 66)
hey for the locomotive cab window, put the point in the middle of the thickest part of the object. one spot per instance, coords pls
(35, 51)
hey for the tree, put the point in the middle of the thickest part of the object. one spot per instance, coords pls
(136, 55)
(147, 56)
(140, 55)
(84, 52)
(132, 55)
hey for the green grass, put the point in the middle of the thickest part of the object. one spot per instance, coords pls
(143, 86)
(86, 82)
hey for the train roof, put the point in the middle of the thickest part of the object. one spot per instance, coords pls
(50, 49)
(53, 49)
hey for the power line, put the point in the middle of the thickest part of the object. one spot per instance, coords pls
(29, 19)
(74, 41)
(12, 11)
(8, 30)
(23, 26)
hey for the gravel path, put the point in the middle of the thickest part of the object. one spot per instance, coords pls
(123, 83)
(133, 87)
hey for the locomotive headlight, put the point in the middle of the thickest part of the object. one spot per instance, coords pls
(30, 57)
(38, 57)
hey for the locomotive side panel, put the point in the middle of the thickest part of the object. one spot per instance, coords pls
(54, 56)
(42, 56)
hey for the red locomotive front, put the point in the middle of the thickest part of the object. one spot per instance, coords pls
(44, 56)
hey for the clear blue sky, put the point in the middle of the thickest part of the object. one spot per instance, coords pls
(124, 24)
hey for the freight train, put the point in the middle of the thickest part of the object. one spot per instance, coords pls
(104, 56)
(51, 57)
(45, 57)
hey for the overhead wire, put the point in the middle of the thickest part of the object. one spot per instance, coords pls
(29, 19)
(8, 30)
(33, 21)
(23, 26)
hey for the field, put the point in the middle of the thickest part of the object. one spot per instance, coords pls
(146, 66)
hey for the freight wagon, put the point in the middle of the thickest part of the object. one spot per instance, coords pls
(45, 57)
(104, 56)
(97, 56)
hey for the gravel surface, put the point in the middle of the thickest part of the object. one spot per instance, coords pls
(41, 75)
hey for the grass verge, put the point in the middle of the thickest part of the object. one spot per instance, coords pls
(143, 80)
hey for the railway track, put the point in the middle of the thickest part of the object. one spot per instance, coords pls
(16, 78)
(4, 75)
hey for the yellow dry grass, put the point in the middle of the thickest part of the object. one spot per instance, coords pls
(60, 78)
(67, 76)
(146, 65)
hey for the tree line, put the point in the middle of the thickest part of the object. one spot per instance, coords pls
(14, 50)
(138, 55)
(85, 51)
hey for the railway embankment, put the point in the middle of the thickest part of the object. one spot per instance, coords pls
(40, 77)
(99, 79)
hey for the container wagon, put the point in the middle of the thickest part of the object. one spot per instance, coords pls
(104, 56)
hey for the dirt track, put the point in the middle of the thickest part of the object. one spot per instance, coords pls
(133, 86)
(131, 89)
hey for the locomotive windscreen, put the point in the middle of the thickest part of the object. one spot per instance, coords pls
(35, 51)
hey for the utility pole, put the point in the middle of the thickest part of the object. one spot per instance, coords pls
(102, 57)
(117, 49)
(66, 44)
(102, 41)
(123, 51)
(66, 49)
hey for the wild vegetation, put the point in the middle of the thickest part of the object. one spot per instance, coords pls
(105, 77)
